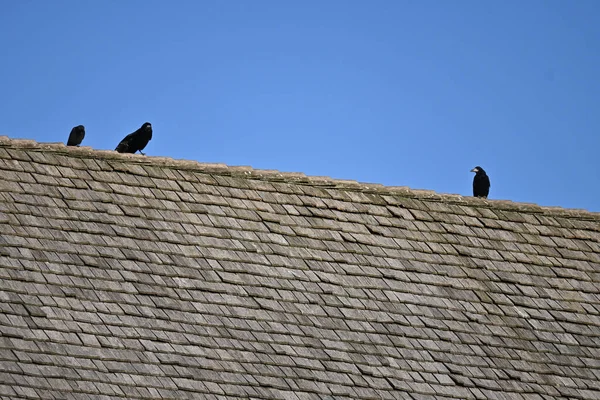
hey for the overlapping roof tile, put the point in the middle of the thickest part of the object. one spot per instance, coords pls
(124, 276)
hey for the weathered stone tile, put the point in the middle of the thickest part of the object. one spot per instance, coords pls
(152, 273)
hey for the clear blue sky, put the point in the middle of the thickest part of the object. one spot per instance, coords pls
(408, 93)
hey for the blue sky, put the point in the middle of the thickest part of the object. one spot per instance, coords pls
(407, 93)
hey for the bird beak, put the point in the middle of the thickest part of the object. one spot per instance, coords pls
(474, 170)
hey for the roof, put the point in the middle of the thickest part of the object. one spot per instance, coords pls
(124, 276)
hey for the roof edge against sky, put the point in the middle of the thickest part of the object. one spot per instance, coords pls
(295, 178)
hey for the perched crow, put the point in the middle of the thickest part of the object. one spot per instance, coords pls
(137, 140)
(481, 183)
(76, 136)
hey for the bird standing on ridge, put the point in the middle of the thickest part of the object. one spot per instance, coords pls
(481, 183)
(76, 136)
(136, 141)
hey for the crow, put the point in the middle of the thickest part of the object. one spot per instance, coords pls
(481, 183)
(76, 136)
(136, 141)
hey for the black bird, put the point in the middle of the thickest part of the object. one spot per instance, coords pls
(481, 183)
(136, 141)
(76, 136)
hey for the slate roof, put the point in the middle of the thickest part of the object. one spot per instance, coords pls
(123, 276)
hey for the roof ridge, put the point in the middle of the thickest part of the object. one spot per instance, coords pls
(297, 178)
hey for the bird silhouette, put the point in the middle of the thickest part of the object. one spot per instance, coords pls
(76, 136)
(136, 141)
(481, 183)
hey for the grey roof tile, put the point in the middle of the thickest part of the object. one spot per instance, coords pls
(137, 277)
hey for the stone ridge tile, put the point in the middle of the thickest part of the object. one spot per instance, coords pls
(368, 198)
(314, 191)
(449, 218)
(510, 216)
(91, 165)
(591, 227)
(443, 208)
(255, 184)
(230, 181)
(402, 213)
(4, 155)
(470, 221)
(187, 175)
(312, 202)
(20, 155)
(130, 180)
